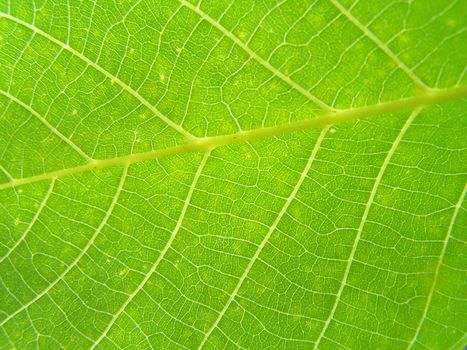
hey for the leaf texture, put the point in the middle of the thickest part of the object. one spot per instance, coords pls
(233, 174)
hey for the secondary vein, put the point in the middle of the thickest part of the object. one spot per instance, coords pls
(161, 255)
(266, 238)
(81, 253)
(100, 69)
(358, 236)
(255, 56)
(457, 209)
(44, 121)
(369, 34)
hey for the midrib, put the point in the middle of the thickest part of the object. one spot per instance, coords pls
(201, 144)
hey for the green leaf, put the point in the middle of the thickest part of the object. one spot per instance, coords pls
(233, 174)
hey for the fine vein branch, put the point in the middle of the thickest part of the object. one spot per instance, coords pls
(208, 143)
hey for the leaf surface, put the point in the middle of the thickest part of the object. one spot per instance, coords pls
(233, 174)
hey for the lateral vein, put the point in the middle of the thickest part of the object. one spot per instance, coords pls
(161, 255)
(81, 253)
(44, 121)
(33, 221)
(266, 238)
(107, 74)
(255, 56)
(369, 34)
(457, 209)
(368, 206)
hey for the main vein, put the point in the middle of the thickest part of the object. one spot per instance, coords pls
(207, 143)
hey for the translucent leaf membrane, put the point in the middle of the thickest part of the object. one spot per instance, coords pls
(232, 175)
